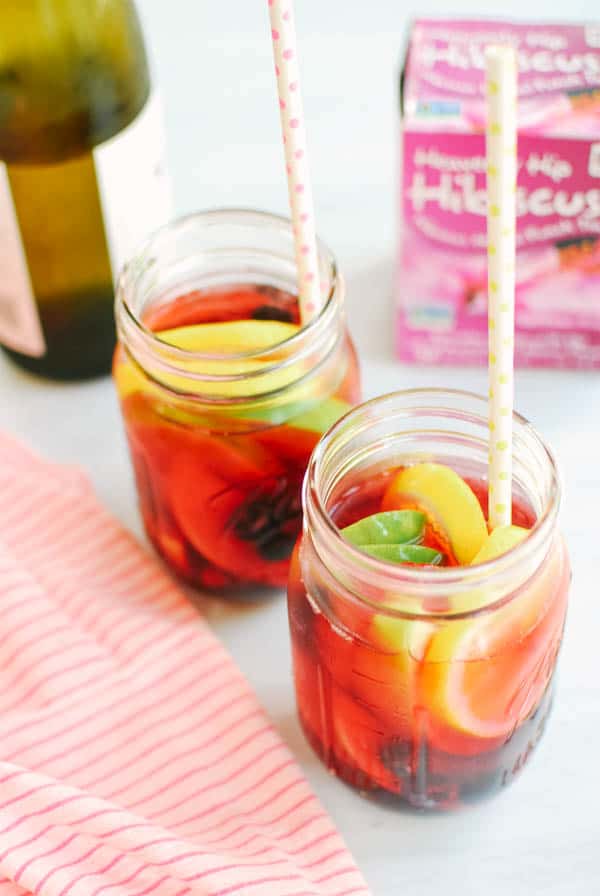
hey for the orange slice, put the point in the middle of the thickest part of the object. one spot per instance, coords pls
(481, 677)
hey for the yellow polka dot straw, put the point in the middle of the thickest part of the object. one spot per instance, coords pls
(285, 53)
(501, 149)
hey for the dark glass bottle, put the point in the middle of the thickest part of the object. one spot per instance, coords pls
(82, 177)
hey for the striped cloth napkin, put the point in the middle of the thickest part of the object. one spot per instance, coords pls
(134, 758)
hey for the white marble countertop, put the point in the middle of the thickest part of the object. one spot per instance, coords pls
(213, 58)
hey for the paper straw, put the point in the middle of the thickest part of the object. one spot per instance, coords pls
(501, 143)
(285, 52)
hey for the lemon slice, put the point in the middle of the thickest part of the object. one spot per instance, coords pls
(448, 501)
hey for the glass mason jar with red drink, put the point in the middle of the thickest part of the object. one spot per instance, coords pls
(424, 646)
(225, 392)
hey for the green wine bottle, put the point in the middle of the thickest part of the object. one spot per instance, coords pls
(82, 176)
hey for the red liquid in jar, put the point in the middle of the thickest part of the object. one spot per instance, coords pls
(221, 501)
(454, 709)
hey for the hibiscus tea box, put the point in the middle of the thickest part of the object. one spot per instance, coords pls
(441, 289)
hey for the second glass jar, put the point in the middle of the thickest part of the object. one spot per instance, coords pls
(225, 392)
(422, 685)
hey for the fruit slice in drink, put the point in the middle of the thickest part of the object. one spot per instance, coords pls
(453, 511)
(469, 674)
(233, 501)
(205, 343)
(483, 676)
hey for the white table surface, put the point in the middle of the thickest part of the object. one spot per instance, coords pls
(213, 59)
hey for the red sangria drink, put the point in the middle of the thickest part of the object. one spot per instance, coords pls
(225, 393)
(424, 645)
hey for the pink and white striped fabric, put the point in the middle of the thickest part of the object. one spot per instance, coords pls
(134, 759)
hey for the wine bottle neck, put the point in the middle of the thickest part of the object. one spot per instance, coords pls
(73, 73)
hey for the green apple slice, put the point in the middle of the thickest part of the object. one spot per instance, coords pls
(229, 337)
(314, 416)
(300, 406)
(404, 553)
(498, 542)
(390, 527)
(217, 341)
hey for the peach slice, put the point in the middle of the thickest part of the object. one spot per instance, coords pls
(447, 500)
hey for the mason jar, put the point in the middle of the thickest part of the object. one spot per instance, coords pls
(225, 391)
(427, 685)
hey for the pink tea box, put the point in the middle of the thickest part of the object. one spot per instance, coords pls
(441, 285)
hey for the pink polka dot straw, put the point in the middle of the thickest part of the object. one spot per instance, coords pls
(285, 54)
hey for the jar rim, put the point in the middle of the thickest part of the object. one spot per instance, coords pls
(436, 580)
(211, 217)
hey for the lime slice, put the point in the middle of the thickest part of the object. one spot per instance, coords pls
(498, 542)
(404, 553)
(390, 527)
(448, 501)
